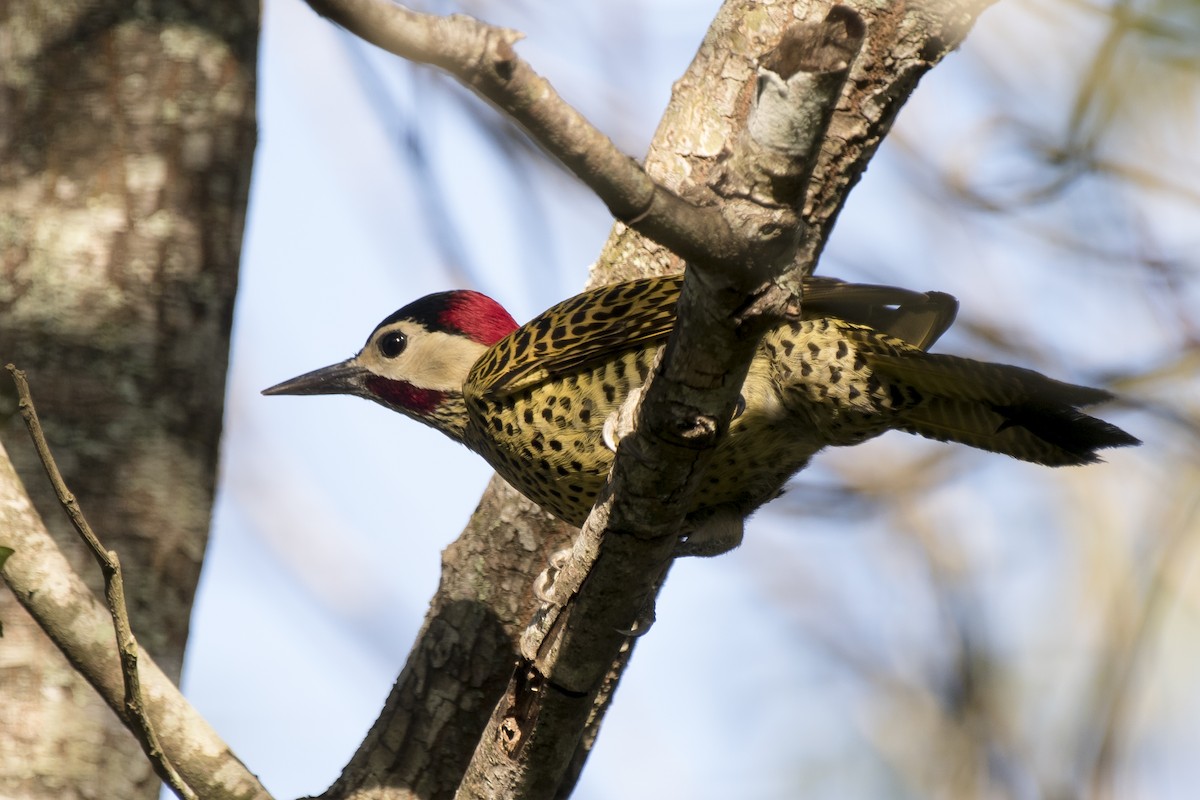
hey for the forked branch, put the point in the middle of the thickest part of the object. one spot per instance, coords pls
(748, 217)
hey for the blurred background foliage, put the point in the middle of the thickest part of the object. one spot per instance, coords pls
(1057, 175)
(911, 620)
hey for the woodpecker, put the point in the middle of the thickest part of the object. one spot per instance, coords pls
(533, 399)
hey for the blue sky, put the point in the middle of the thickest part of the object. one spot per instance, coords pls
(332, 512)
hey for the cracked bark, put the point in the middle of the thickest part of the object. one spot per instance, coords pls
(467, 649)
(125, 154)
(902, 42)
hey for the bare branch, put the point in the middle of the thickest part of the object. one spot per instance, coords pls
(114, 593)
(757, 211)
(481, 56)
(184, 750)
(625, 548)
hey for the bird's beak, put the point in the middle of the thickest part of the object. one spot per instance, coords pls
(345, 377)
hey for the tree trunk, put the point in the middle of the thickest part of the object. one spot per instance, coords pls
(125, 155)
(410, 751)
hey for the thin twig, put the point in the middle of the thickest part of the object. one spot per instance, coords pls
(114, 593)
(482, 57)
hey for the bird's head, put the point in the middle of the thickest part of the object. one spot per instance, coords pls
(416, 360)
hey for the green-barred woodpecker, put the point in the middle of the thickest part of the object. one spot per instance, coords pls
(534, 399)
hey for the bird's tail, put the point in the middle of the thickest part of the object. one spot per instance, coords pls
(1004, 409)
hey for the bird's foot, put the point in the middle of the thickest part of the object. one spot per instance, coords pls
(718, 534)
(543, 584)
(646, 617)
(621, 422)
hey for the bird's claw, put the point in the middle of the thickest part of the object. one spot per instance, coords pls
(718, 534)
(621, 422)
(646, 617)
(543, 584)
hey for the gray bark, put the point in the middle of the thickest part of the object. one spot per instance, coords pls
(126, 136)
(407, 753)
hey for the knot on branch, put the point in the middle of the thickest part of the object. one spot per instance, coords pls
(503, 57)
(827, 46)
(799, 84)
(698, 430)
(800, 81)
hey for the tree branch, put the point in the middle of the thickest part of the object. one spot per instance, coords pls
(482, 57)
(775, 189)
(185, 751)
(623, 552)
(114, 593)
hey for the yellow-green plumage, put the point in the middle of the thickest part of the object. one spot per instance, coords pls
(534, 402)
(537, 399)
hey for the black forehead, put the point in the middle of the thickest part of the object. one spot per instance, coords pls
(429, 312)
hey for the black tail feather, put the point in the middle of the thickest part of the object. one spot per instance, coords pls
(1004, 409)
(1065, 428)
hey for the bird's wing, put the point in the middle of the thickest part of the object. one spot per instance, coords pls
(587, 328)
(918, 318)
(591, 327)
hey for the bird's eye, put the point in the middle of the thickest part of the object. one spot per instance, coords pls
(392, 344)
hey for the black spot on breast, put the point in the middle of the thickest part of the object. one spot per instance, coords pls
(896, 395)
(805, 369)
(853, 393)
(610, 392)
(528, 416)
(835, 374)
(788, 347)
(585, 416)
(814, 348)
(556, 445)
(843, 349)
(547, 414)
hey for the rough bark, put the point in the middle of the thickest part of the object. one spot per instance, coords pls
(463, 656)
(82, 628)
(902, 42)
(125, 151)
